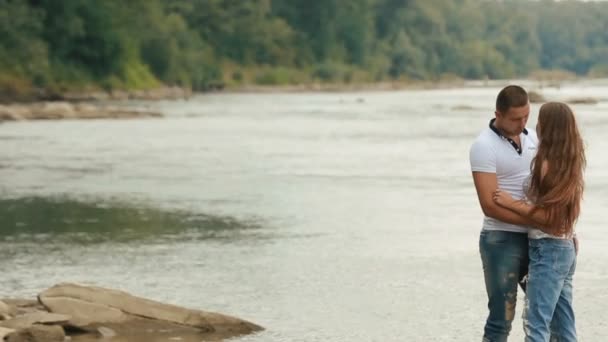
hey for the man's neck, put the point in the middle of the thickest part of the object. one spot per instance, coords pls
(505, 134)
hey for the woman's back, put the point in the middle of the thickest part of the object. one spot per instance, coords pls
(556, 184)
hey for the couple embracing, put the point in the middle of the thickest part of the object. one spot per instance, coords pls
(529, 183)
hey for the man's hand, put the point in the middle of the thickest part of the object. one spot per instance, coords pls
(503, 198)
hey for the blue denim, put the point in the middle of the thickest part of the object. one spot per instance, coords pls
(504, 256)
(549, 294)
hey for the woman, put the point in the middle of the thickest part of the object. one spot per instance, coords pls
(553, 202)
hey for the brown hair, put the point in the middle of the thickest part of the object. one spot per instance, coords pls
(511, 96)
(560, 190)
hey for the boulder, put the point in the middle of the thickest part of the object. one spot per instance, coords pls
(462, 107)
(67, 110)
(37, 333)
(23, 306)
(29, 319)
(68, 311)
(4, 332)
(13, 113)
(84, 313)
(582, 100)
(94, 306)
(536, 97)
(52, 110)
(5, 311)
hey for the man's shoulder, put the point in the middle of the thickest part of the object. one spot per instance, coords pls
(483, 149)
(485, 137)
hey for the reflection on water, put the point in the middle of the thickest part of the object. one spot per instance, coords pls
(37, 218)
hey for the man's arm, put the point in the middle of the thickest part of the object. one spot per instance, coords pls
(485, 184)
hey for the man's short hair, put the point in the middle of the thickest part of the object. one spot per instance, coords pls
(511, 96)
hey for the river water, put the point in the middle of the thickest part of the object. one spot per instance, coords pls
(320, 216)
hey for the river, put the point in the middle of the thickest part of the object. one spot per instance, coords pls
(320, 216)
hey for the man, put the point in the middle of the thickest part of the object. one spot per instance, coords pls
(500, 159)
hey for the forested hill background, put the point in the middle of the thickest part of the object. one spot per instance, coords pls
(58, 45)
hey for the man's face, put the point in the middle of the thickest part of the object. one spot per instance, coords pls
(513, 121)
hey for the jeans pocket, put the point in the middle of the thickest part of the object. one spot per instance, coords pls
(534, 253)
(562, 259)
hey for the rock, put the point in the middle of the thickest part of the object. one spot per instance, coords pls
(5, 310)
(106, 332)
(29, 319)
(462, 107)
(4, 332)
(94, 313)
(23, 306)
(37, 333)
(84, 313)
(536, 97)
(84, 107)
(51, 110)
(582, 100)
(89, 305)
(6, 113)
(66, 110)
(13, 113)
(86, 96)
(117, 94)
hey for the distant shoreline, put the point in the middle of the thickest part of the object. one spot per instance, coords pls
(94, 105)
(177, 93)
(530, 83)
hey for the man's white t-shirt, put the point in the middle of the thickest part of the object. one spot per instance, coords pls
(493, 153)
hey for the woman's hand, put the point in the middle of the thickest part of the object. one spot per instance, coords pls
(503, 198)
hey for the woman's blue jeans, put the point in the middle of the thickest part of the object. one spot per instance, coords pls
(549, 291)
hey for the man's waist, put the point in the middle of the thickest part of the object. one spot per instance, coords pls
(490, 223)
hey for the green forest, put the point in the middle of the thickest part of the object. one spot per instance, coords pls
(60, 45)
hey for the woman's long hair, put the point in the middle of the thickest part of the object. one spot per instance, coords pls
(561, 147)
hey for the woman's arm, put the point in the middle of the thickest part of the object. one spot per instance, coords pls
(521, 207)
(504, 199)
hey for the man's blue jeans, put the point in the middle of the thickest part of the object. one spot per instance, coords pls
(549, 291)
(504, 256)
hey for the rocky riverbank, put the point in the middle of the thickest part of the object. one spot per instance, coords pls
(10, 95)
(83, 104)
(88, 313)
(69, 110)
(163, 93)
